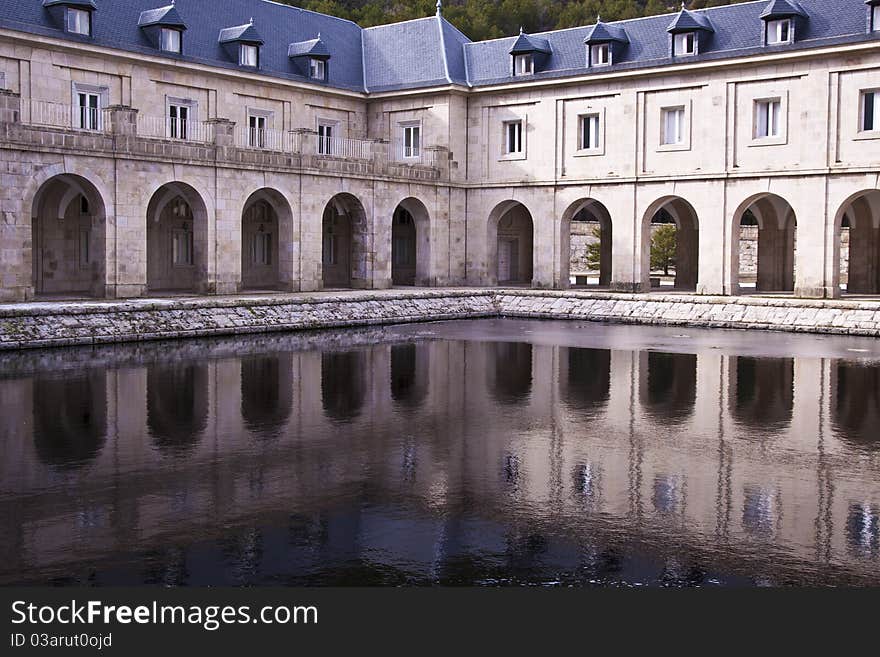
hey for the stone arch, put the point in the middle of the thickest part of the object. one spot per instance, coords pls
(266, 393)
(177, 239)
(769, 220)
(668, 385)
(510, 245)
(859, 219)
(594, 221)
(761, 394)
(411, 243)
(177, 406)
(69, 236)
(266, 232)
(673, 210)
(346, 244)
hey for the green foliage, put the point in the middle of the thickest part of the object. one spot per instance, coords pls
(663, 248)
(484, 19)
(594, 249)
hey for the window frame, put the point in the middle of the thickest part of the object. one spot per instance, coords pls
(764, 106)
(874, 130)
(163, 31)
(102, 93)
(523, 57)
(682, 129)
(519, 140)
(597, 48)
(598, 119)
(414, 128)
(244, 48)
(314, 63)
(324, 142)
(256, 135)
(775, 27)
(875, 18)
(683, 38)
(69, 23)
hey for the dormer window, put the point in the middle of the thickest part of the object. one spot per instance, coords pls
(875, 18)
(600, 54)
(79, 21)
(523, 64)
(170, 40)
(779, 31)
(684, 44)
(317, 69)
(248, 55)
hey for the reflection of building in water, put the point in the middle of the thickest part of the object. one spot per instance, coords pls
(546, 447)
(856, 408)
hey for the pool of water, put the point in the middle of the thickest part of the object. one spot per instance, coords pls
(488, 452)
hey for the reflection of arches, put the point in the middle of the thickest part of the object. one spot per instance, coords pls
(409, 374)
(860, 216)
(69, 232)
(855, 408)
(509, 244)
(343, 385)
(510, 371)
(673, 211)
(411, 244)
(762, 392)
(584, 222)
(585, 378)
(266, 393)
(345, 243)
(70, 418)
(177, 405)
(772, 221)
(863, 530)
(266, 225)
(177, 239)
(668, 389)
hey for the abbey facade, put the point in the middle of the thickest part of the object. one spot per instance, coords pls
(225, 147)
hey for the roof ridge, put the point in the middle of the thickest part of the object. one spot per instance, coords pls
(310, 11)
(443, 47)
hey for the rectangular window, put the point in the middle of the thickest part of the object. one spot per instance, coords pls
(257, 131)
(589, 132)
(600, 55)
(79, 21)
(412, 141)
(182, 247)
(325, 138)
(513, 137)
(262, 249)
(317, 69)
(673, 126)
(178, 121)
(875, 18)
(169, 40)
(684, 44)
(870, 119)
(523, 65)
(248, 55)
(88, 111)
(779, 31)
(85, 236)
(767, 118)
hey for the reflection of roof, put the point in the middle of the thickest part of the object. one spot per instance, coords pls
(430, 51)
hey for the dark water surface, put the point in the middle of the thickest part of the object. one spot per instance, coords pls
(482, 452)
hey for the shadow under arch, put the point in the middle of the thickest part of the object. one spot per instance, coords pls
(591, 221)
(343, 384)
(509, 371)
(70, 418)
(855, 404)
(266, 230)
(346, 244)
(672, 211)
(411, 244)
(761, 392)
(68, 226)
(585, 378)
(859, 215)
(773, 220)
(410, 374)
(177, 406)
(177, 240)
(510, 245)
(668, 385)
(266, 393)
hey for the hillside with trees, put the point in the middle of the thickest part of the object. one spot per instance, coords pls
(482, 19)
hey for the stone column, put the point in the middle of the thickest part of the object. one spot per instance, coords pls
(10, 106)
(123, 120)
(224, 132)
(439, 159)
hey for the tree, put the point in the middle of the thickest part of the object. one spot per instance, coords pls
(594, 250)
(663, 248)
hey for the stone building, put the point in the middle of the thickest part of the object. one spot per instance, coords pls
(233, 145)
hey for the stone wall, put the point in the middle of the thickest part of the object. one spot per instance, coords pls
(24, 326)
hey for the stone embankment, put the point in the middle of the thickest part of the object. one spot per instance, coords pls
(52, 324)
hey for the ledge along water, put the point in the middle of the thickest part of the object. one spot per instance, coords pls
(481, 452)
(66, 323)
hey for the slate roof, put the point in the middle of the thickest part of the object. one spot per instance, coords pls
(782, 9)
(604, 33)
(312, 48)
(75, 3)
(246, 33)
(525, 44)
(430, 52)
(167, 16)
(689, 21)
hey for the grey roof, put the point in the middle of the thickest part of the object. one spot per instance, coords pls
(525, 44)
(604, 33)
(782, 9)
(167, 16)
(430, 52)
(689, 21)
(90, 4)
(246, 33)
(311, 48)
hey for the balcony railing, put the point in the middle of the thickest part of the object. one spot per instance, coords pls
(158, 127)
(267, 140)
(57, 115)
(413, 155)
(357, 149)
